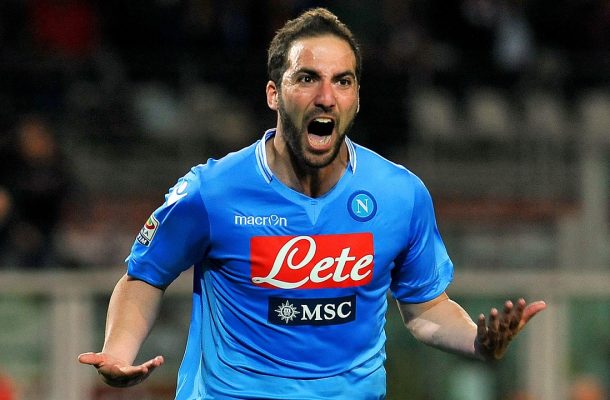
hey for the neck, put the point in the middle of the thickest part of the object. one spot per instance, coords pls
(311, 181)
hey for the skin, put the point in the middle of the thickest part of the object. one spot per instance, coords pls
(320, 81)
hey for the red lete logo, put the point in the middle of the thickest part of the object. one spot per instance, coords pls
(311, 262)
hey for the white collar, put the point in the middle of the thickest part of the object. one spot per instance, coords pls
(261, 155)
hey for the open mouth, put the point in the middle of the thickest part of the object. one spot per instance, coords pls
(319, 130)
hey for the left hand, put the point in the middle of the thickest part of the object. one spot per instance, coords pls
(494, 336)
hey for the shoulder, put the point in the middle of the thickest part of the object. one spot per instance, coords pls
(239, 162)
(371, 165)
(230, 162)
(227, 175)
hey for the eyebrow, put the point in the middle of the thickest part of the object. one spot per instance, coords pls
(315, 73)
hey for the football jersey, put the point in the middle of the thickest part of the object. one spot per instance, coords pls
(289, 297)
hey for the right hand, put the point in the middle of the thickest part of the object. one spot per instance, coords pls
(118, 373)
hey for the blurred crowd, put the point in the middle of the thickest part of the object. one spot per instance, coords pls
(71, 68)
(47, 46)
(34, 182)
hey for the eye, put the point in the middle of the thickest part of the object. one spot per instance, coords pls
(344, 82)
(306, 79)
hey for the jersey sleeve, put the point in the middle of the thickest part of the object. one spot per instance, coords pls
(423, 270)
(174, 237)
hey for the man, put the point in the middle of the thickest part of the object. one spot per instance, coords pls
(295, 242)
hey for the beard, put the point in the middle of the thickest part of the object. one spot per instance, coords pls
(294, 140)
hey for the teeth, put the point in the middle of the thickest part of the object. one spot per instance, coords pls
(323, 120)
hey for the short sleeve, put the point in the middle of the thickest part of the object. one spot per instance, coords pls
(174, 237)
(423, 270)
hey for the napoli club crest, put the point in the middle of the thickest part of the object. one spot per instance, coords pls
(362, 206)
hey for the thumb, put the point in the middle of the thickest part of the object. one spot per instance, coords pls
(533, 309)
(90, 358)
(530, 311)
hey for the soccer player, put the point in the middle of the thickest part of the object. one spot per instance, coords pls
(295, 241)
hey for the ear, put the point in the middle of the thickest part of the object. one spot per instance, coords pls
(358, 94)
(272, 93)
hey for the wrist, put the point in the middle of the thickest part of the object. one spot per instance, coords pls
(482, 352)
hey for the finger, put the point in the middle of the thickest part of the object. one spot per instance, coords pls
(154, 363)
(494, 321)
(482, 330)
(530, 311)
(493, 326)
(482, 342)
(90, 359)
(516, 315)
(506, 320)
(144, 368)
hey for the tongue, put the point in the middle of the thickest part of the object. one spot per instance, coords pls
(318, 141)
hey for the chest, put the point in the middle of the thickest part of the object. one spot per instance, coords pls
(277, 243)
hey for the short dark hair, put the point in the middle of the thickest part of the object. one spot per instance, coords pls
(312, 23)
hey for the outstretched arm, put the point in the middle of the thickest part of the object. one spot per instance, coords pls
(442, 323)
(132, 311)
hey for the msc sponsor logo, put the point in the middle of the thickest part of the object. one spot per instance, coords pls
(254, 220)
(324, 311)
(312, 262)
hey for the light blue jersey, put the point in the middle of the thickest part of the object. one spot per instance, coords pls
(290, 291)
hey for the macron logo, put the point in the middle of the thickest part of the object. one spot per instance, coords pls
(252, 220)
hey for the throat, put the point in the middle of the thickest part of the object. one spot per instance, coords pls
(311, 180)
(311, 185)
(315, 182)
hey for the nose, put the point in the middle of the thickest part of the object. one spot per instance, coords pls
(325, 97)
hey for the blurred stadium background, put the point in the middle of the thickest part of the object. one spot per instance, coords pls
(501, 107)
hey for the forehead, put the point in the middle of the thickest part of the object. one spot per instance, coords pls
(320, 53)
